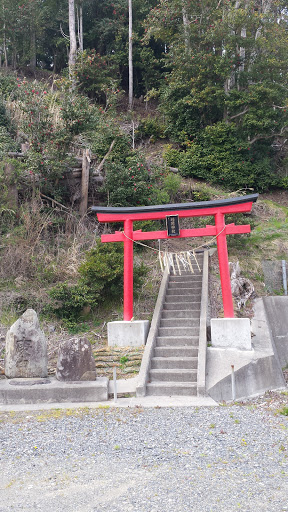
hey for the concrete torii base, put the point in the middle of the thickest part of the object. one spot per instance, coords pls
(231, 333)
(127, 334)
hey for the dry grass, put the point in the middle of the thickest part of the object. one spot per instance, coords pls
(46, 246)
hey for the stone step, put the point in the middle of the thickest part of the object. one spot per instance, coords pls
(179, 313)
(185, 284)
(179, 322)
(182, 306)
(173, 375)
(171, 351)
(178, 331)
(174, 362)
(177, 341)
(186, 273)
(183, 298)
(184, 276)
(183, 292)
(171, 388)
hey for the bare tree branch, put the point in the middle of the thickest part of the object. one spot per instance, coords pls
(63, 33)
(258, 137)
(101, 165)
(278, 106)
(239, 114)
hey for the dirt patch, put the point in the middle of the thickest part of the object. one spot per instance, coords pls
(277, 196)
(271, 401)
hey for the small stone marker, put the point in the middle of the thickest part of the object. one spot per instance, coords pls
(75, 360)
(26, 348)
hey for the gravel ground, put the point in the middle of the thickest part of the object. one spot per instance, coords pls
(225, 458)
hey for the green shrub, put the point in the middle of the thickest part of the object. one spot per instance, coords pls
(172, 156)
(100, 140)
(7, 83)
(151, 127)
(4, 119)
(94, 74)
(101, 279)
(70, 300)
(102, 270)
(131, 184)
(218, 156)
(7, 143)
(171, 185)
(199, 196)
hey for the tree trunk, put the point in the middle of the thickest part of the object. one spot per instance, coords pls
(186, 27)
(130, 57)
(80, 27)
(32, 47)
(72, 34)
(242, 50)
(4, 45)
(265, 7)
(84, 182)
(14, 59)
(231, 81)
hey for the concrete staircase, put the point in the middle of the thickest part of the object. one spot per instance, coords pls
(174, 361)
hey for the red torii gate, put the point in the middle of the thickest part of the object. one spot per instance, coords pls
(218, 209)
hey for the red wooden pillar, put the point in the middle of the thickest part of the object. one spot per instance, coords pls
(128, 270)
(224, 266)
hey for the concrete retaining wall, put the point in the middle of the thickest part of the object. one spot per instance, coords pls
(254, 378)
(276, 309)
(256, 371)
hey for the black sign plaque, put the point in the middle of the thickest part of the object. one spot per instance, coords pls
(173, 228)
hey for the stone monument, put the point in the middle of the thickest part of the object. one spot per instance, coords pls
(26, 348)
(75, 360)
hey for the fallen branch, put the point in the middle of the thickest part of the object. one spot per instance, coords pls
(101, 165)
(53, 201)
(14, 154)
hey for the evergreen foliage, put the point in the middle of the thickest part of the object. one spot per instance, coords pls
(218, 70)
(224, 92)
(101, 277)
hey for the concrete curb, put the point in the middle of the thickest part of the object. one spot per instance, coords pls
(53, 391)
(129, 403)
(201, 372)
(123, 385)
(149, 348)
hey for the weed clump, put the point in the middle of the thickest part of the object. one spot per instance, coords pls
(100, 280)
